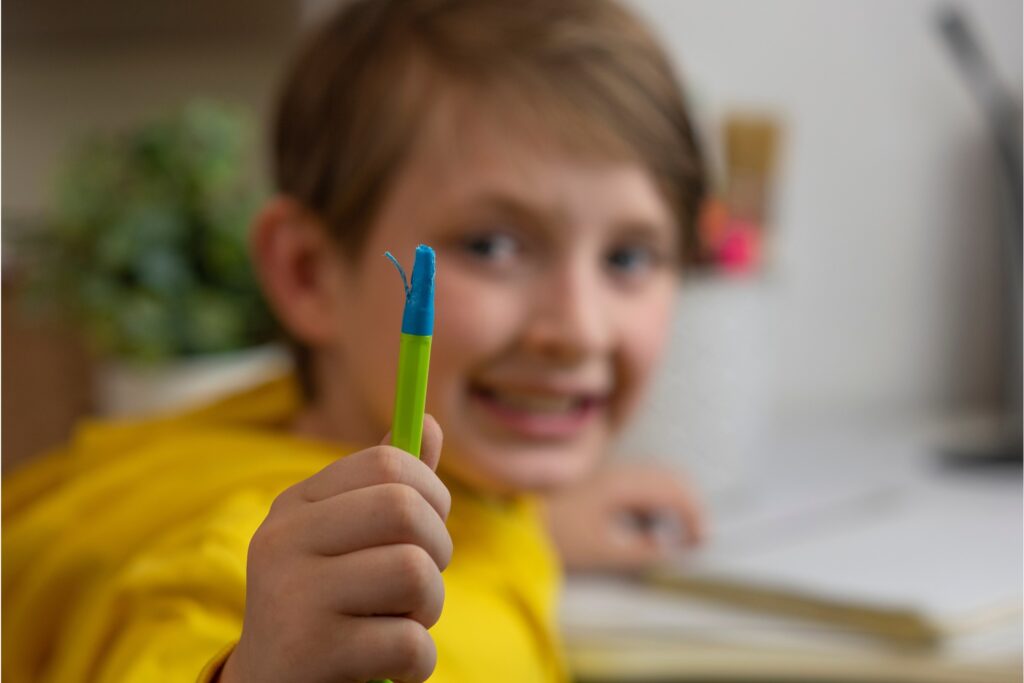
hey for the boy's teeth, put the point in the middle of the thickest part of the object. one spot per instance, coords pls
(533, 402)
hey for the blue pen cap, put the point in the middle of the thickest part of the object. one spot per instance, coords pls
(419, 301)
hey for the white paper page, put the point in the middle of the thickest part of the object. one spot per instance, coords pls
(946, 546)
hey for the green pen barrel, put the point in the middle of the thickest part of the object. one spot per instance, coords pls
(410, 397)
(411, 393)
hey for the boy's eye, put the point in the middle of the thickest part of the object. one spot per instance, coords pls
(492, 246)
(632, 260)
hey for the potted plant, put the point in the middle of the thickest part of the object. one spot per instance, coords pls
(146, 252)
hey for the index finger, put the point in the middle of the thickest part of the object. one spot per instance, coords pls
(371, 467)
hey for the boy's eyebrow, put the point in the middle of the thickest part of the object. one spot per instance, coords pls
(654, 231)
(538, 217)
(508, 203)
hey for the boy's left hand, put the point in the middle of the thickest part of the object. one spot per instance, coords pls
(624, 517)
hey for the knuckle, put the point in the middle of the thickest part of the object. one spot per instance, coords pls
(265, 541)
(430, 613)
(424, 588)
(405, 507)
(282, 498)
(418, 572)
(389, 464)
(447, 551)
(414, 651)
(446, 501)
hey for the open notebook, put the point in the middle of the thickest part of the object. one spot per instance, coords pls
(914, 575)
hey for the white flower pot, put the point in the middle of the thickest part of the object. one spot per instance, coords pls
(129, 390)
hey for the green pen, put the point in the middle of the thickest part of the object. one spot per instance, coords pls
(414, 353)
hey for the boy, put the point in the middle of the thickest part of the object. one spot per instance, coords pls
(542, 148)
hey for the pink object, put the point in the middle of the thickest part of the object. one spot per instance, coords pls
(739, 248)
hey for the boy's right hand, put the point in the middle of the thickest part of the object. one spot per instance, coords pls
(344, 574)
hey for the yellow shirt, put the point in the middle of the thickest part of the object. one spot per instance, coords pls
(124, 554)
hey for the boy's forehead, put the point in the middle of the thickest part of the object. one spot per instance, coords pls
(482, 131)
(474, 155)
(468, 155)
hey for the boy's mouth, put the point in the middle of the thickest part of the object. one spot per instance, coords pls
(539, 413)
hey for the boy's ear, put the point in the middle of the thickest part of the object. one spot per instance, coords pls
(299, 269)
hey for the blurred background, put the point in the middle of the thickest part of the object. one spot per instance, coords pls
(883, 270)
(857, 313)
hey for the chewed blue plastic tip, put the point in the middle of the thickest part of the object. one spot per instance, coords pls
(401, 271)
(418, 317)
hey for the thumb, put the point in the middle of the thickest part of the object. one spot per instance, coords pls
(433, 437)
(430, 446)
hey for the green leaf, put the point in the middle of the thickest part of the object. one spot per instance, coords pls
(147, 246)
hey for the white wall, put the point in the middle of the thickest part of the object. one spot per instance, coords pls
(74, 68)
(884, 292)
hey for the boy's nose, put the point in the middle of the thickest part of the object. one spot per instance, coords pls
(569, 318)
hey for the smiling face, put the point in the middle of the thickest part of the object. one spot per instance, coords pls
(555, 280)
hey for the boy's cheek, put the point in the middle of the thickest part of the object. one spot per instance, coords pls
(646, 351)
(475, 322)
(469, 332)
(653, 323)
(641, 352)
